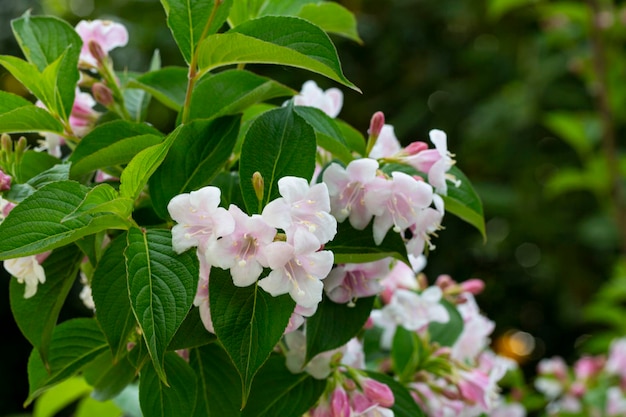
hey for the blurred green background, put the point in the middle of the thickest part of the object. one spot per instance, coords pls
(513, 84)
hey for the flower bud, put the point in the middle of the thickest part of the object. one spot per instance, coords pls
(415, 147)
(259, 185)
(102, 94)
(95, 49)
(473, 286)
(339, 403)
(376, 124)
(5, 181)
(378, 392)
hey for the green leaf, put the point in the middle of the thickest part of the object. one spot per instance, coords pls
(35, 225)
(37, 316)
(405, 351)
(19, 115)
(110, 144)
(279, 143)
(447, 333)
(28, 74)
(497, 8)
(168, 85)
(19, 192)
(142, 166)
(581, 131)
(464, 202)
(328, 135)
(219, 384)
(231, 92)
(191, 333)
(34, 163)
(332, 18)
(354, 138)
(109, 376)
(278, 392)
(188, 20)
(242, 11)
(44, 40)
(228, 183)
(358, 246)
(333, 325)
(177, 398)
(75, 343)
(404, 404)
(276, 40)
(59, 397)
(197, 155)
(110, 294)
(103, 199)
(161, 285)
(248, 322)
(89, 407)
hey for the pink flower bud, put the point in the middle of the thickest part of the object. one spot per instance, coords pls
(339, 403)
(96, 51)
(578, 389)
(416, 147)
(102, 94)
(444, 281)
(376, 124)
(588, 366)
(378, 392)
(5, 181)
(473, 286)
(7, 206)
(473, 387)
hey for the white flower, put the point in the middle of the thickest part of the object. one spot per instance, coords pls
(27, 270)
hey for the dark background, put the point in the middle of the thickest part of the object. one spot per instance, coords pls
(488, 81)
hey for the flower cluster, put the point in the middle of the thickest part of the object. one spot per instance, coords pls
(595, 385)
(244, 244)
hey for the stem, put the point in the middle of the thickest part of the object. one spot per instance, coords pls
(193, 65)
(609, 141)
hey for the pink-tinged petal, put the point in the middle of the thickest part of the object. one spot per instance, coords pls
(319, 264)
(378, 392)
(276, 283)
(106, 34)
(336, 178)
(277, 213)
(293, 188)
(339, 403)
(245, 274)
(278, 254)
(334, 103)
(440, 140)
(309, 292)
(362, 170)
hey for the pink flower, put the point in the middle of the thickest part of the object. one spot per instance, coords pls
(329, 101)
(615, 402)
(474, 337)
(242, 251)
(201, 299)
(199, 219)
(347, 188)
(410, 310)
(386, 145)
(297, 268)
(297, 317)
(474, 386)
(427, 222)
(435, 162)
(5, 181)
(318, 367)
(616, 362)
(105, 34)
(400, 276)
(83, 116)
(28, 270)
(302, 207)
(588, 366)
(346, 283)
(398, 203)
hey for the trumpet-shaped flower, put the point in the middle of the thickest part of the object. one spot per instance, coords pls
(398, 203)
(435, 162)
(106, 34)
(329, 101)
(302, 207)
(346, 283)
(347, 188)
(28, 270)
(386, 145)
(242, 251)
(410, 310)
(199, 219)
(297, 268)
